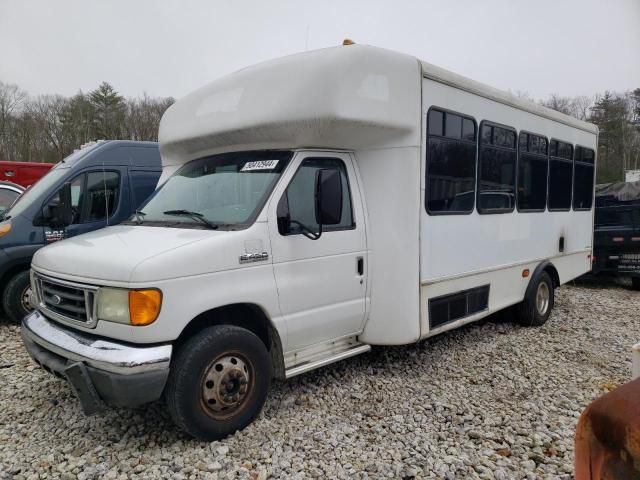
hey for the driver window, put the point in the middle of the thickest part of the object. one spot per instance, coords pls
(298, 201)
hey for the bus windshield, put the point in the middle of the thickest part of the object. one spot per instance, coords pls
(221, 191)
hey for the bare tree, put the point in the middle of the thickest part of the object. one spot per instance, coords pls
(558, 103)
(11, 99)
(46, 111)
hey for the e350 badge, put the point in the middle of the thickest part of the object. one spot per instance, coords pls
(254, 257)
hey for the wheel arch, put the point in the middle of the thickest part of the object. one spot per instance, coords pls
(10, 272)
(245, 315)
(543, 267)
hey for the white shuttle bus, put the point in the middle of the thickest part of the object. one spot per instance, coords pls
(313, 206)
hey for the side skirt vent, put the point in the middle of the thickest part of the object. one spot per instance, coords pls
(454, 306)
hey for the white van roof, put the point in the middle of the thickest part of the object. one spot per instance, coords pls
(347, 97)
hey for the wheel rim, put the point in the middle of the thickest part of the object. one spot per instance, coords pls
(542, 298)
(25, 299)
(226, 385)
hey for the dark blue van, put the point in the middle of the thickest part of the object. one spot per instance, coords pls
(104, 184)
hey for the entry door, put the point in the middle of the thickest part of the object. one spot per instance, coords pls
(321, 283)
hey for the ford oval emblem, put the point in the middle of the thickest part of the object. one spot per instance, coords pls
(55, 299)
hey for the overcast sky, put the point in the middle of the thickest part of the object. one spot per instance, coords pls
(570, 47)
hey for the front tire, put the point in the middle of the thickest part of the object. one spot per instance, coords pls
(635, 283)
(16, 297)
(218, 382)
(536, 307)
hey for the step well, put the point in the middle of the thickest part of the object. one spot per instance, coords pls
(319, 355)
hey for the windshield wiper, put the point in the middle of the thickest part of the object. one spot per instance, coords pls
(194, 215)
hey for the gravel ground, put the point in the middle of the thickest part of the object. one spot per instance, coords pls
(489, 401)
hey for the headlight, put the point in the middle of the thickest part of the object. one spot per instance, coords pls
(34, 288)
(132, 307)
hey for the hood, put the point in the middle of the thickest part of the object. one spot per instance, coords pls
(133, 253)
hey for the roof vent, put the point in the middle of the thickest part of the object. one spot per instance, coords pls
(348, 41)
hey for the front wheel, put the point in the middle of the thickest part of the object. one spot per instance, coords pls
(635, 283)
(536, 307)
(16, 300)
(218, 382)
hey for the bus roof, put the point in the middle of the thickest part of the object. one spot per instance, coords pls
(348, 97)
(447, 77)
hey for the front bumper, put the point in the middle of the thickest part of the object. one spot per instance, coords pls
(100, 371)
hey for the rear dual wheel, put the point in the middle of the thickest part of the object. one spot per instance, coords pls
(535, 309)
(218, 382)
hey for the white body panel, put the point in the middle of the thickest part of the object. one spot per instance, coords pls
(465, 251)
(393, 202)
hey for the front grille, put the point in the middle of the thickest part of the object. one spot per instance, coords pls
(66, 301)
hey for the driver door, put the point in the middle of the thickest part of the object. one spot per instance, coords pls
(96, 197)
(321, 283)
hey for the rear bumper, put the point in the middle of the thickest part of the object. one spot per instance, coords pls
(100, 371)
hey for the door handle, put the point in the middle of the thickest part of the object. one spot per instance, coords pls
(360, 265)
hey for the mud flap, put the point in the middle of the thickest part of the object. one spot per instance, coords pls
(80, 381)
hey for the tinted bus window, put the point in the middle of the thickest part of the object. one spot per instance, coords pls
(533, 168)
(497, 169)
(583, 178)
(451, 162)
(560, 175)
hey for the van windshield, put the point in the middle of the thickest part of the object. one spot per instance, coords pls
(221, 191)
(34, 192)
(47, 182)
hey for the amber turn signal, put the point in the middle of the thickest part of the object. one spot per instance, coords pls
(525, 273)
(144, 306)
(4, 229)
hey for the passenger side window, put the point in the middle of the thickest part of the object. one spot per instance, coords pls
(298, 201)
(451, 162)
(143, 184)
(7, 197)
(103, 192)
(497, 169)
(560, 175)
(583, 178)
(533, 168)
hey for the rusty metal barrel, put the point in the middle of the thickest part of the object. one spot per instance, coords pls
(607, 442)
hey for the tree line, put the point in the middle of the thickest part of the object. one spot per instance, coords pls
(47, 128)
(617, 116)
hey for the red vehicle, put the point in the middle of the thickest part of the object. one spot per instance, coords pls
(23, 173)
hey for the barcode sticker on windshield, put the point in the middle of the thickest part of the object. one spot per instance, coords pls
(260, 165)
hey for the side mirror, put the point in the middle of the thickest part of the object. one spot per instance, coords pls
(59, 212)
(328, 197)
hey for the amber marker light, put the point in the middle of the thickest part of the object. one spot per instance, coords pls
(525, 273)
(144, 306)
(4, 229)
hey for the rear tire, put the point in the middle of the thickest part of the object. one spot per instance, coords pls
(635, 283)
(536, 307)
(218, 382)
(15, 298)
